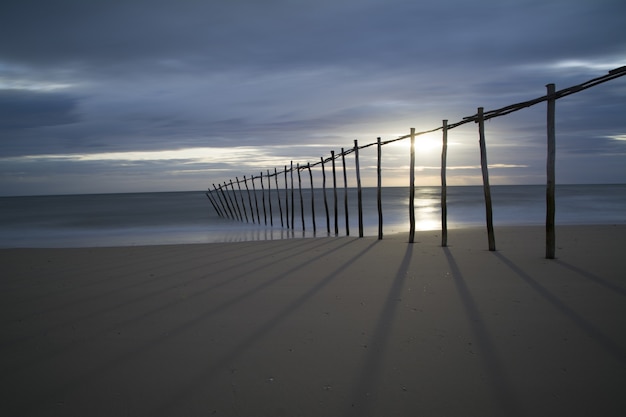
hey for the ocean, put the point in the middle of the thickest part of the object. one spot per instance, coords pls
(189, 217)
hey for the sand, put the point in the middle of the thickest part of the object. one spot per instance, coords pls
(320, 327)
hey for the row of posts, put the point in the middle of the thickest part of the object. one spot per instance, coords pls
(230, 204)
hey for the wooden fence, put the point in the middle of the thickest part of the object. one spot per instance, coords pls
(244, 205)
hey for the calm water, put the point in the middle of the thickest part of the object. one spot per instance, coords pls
(189, 217)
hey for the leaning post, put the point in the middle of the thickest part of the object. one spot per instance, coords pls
(485, 172)
(550, 200)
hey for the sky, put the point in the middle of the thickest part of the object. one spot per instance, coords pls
(170, 95)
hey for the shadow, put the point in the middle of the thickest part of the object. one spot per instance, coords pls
(610, 346)
(369, 378)
(592, 277)
(115, 363)
(222, 363)
(493, 365)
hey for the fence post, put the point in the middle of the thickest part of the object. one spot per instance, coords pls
(280, 206)
(230, 201)
(245, 182)
(236, 201)
(301, 200)
(286, 198)
(263, 199)
(308, 167)
(269, 197)
(358, 186)
(550, 200)
(256, 200)
(444, 187)
(412, 189)
(213, 203)
(293, 209)
(332, 156)
(485, 172)
(242, 202)
(345, 191)
(379, 191)
(223, 202)
(325, 199)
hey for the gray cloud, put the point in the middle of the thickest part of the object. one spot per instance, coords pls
(23, 109)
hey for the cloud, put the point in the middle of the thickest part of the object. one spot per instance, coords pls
(25, 109)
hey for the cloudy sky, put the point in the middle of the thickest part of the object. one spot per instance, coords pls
(158, 95)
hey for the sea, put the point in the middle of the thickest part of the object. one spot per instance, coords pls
(96, 220)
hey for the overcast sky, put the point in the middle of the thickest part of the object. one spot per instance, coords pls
(158, 95)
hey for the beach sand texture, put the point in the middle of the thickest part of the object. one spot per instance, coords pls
(320, 327)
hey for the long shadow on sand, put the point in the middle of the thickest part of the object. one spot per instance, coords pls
(610, 346)
(498, 380)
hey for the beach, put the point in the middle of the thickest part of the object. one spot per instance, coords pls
(340, 326)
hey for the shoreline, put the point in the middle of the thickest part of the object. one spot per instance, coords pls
(324, 326)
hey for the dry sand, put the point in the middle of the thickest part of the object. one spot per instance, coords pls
(320, 327)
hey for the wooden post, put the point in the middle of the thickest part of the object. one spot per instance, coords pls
(332, 155)
(325, 199)
(379, 190)
(412, 189)
(486, 187)
(269, 198)
(550, 188)
(301, 199)
(358, 186)
(230, 201)
(236, 201)
(223, 202)
(345, 192)
(243, 204)
(263, 198)
(293, 209)
(308, 167)
(217, 210)
(280, 206)
(256, 200)
(286, 198)
(444, 190)
(245, 182)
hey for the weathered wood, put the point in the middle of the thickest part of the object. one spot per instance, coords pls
(256, 200)
(412, 188)
(301, 199)
(486, 187)
(345, 192)
(280, 206)
(358, 186)
(379, 189)
(444, 188)
(293, 208)
(263, 199)
(217, 210)
(240, 216)
(286, 198)
(223, 202)
(550, 168)
(245, 183)
(269, 197)
(332, 155)
(229, 200)
(308, 167)
(325, 199)
(243, 204)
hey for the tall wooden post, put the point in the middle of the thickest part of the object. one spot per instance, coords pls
(301, 199)
(256, 200)
(325, 199)
(308, 167)
(245, 182)
(217, 210)
(293, 208)
(345, 191)
(379, 190)
(280, 206)
(486, 187)
(269, 197)
(230, 201)
(263, 199)
(236, 201)
(332, 155)
(550, 199)
(286, 198)
(358, 186)
(444, 187)
(412, 189)
(243, 204)
(223, 202)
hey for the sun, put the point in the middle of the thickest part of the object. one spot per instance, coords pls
(426, 143)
